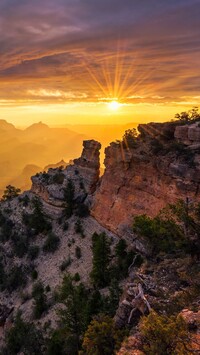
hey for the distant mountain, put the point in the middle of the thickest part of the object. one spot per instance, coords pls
(35, 146)
(5, 126)
(57, 165)
(23, 181)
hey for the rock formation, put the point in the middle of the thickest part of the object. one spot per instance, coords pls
(84, 172)
(160, 169)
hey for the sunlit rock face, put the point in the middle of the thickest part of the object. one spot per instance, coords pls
(84, 173)
(143, 179)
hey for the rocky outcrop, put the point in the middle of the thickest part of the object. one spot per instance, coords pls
(84, 173)
(188, 134)
(142, 180)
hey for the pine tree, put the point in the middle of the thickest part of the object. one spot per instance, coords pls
(101, 258)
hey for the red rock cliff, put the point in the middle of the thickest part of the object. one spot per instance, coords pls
(160, 169)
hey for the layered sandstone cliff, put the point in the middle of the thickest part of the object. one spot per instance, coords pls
(159, 169)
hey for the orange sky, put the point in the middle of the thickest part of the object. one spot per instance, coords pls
(64, 61)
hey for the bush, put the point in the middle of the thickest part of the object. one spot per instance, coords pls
(77, 277)
(33, 252)
(164, 335)
(16, 278)
(65, 264)
(40, 301)
(37, 220)
(124, 260)
(69, 192)
(101, 258)
(20, 245)
(58, 178)
(78, 252)
(163, 234)
(23, 338)
(34, 274)
(130, 139)
(79, 228)
(102, 337)
(10, 193)
(51, 244)
(82, 210)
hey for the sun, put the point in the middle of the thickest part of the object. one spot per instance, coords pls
(114, 105)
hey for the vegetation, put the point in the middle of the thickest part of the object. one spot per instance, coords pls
(33, 252)
(65, 264)
(10, 193)
(101, 259)
(101, 337)
(37, 221)
(165, 335)
(124, 259)
(189, 116)
(79, 228)
(51, 244)
(40, 300)
(78, 252)
(23, 338)
(163, 234)
(16, 278)
(129, 138)
(69, 198)
(58, 178)
(80, 306)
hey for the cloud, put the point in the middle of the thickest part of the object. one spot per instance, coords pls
(76, 46)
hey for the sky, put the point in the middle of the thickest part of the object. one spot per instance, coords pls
(67, 61)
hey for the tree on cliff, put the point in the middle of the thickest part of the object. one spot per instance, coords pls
(129, 138)
(101, 337)
(10, 192)
(165, 335)
(187, 116)
(69, 198)
(101, 258)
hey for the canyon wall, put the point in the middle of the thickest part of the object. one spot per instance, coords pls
(160, 169)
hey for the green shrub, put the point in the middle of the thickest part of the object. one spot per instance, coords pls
(23, 338)
(164, 335)
(34, 274)
(69, 192)
(40, 301)
(76, 277)
(102, 337)
(58, 178)
(51, 244)
(16, 278)
(10, 193)
(101, 258)
(82, 210)
(20, 245)
(65, 264)
(37, 220)
(78, 252)
(163, 234)
(79, 228)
